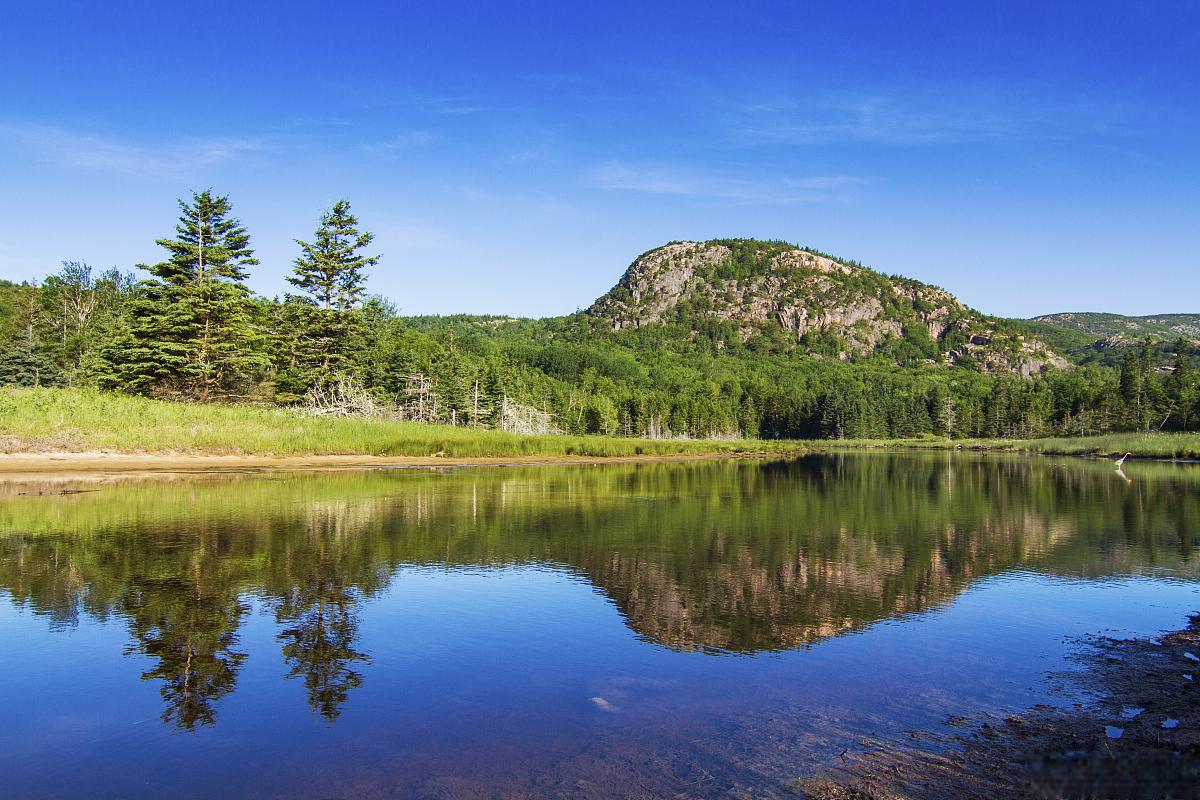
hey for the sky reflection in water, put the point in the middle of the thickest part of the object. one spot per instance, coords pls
(574, 631)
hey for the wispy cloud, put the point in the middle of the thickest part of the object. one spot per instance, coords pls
(682, 183)
(406, 140)
(865, 120)
(1000, 114)
(417, 103)
(171, 160)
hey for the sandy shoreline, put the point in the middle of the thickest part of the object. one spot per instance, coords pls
(56, 463)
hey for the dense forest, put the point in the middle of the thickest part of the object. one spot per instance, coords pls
(189, 328)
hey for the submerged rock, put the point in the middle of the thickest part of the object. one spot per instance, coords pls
(1055, 752)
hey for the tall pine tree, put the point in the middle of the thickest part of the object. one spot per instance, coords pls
(330, 269)
(195, 333)
(1183, 386)
(1135, 374)
(331, 272)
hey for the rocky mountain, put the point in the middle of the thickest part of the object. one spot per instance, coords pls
(1093, 338)
(1118, 326)
(816, 303)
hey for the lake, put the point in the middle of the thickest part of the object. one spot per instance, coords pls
(699, 629)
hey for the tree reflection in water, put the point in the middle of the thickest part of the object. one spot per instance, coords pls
(735, 556)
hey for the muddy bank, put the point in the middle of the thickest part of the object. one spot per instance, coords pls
(55, 463)
(1138, 738)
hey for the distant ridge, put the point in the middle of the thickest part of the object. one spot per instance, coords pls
(1118, 326)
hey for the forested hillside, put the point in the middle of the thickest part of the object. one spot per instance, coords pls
(1168, 326)
(1106, 339)
(715, 339)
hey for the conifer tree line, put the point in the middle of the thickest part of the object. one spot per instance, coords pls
(189, 328)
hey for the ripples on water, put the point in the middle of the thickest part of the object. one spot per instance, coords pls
(626, 630)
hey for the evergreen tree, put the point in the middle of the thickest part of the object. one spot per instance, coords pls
(27, 367)
(749, 420)
(1135, 372)
(330, 269)
(195, 332)
(26, 358)
(1183, 387)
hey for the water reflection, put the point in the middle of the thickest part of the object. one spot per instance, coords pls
(188, 626)
(321, 621)
(738, 556)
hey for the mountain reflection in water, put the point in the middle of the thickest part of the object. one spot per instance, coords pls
(730, 557)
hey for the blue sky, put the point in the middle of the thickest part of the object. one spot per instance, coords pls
(515, 157)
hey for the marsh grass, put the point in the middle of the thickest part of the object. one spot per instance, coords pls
(83, 420)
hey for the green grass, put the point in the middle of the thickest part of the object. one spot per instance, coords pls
(1142, 445)
(80, 420)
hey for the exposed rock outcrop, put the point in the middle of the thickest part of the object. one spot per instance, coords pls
(815, 300)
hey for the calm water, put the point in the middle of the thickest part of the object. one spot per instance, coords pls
(700, 630)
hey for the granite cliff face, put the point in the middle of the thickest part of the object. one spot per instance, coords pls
(817, 303)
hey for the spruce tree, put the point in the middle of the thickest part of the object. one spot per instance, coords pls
(26, 356)
(1182, 385)
(1134, 374)
(331, 272)
(195, 333)
(27, 367)
(330, 269)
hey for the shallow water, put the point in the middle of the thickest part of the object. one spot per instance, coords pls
(696, 629)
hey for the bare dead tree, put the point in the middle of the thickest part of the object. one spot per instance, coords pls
(342, 397)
